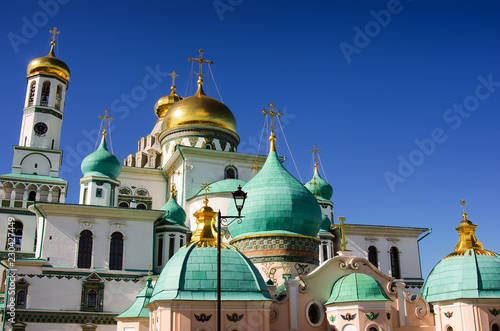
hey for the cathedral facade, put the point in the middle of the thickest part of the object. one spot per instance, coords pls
(139, 249)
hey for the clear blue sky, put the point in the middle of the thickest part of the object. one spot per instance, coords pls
(363, 80)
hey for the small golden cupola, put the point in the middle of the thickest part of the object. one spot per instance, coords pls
(164, 103)
(199, 121)
(49, 64)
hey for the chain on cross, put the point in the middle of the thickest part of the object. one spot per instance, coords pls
(105, 118)
(271, 113)
(201, 60)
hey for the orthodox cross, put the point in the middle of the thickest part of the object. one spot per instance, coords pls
(271, 113)
(173, 75)
(201, 60)
(105, 118)
(205, 188)
(171, 172)
(256, 167)
(315, 152)
(149, 270)
(54, 33)
(462, 203)
(342, 232)
(315, 185)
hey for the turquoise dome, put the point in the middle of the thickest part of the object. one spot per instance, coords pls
(191, 274)
(222, 186)
(276, 204)
(101, 163)
(137, 309)
(325, 225)
(319, 187)
(467, 276)
(357, 287)
(174, 214)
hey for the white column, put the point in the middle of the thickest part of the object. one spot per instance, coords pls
(292, 288)
(401, 302)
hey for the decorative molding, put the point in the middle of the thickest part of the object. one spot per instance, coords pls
(448, 314)
(494, 311)
(348, 317)
(372, 316)
(234, 317)
(203, 317)
(28, 316)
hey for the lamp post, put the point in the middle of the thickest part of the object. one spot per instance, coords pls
(239, 200)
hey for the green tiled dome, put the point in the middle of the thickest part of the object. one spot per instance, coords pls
(223, 186)
(467, 276)
(191, 274)
(174, 214)
(276, 204)
(141, 300)
(325, 225)
(101, 163)
(318, 185)
(356, 287)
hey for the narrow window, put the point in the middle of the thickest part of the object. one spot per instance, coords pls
(325, 252)
(58, 97)
(32, 196)
(372, 255)
(98, 193)
(36, 165)
(21, 298)
(84, 195)
(495, 327)
(85, 249)
(25, 141)
(45, 93)
(395, 269)
(31, 99)
(160, 251)
(92, 299)
(15, 237)
(171, 247)
(52, 144)
(230, 173)
(116, 251)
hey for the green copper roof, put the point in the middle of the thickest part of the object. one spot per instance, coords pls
(101, 163)
(174, 214)
(34, 177)
(468, 276)
(191, 274)
(222, 186)
(357, 287)
(325, 225)
(141, 300)
(318, 185)
(276, 203)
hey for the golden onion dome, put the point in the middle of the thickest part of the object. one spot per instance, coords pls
(164, 103)
(199, 109)
(49, 65)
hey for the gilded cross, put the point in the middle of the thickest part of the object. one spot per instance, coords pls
(315, 185)
(342, 226)
(171, 172)
(205, 187)
(315, 152)
(201, 60)
(173, 75)
(54, 33)
(462, 203)
(256, 167)
(149, 270)
(271, 113)
(105, 118)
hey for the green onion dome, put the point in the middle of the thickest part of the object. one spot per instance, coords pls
(325, 225)
(319, 187)
(470, 272)
(101, 163)
(174, 214)
(357, 287)
(276, 203)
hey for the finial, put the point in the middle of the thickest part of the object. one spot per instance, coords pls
(205, 187)
(172, 191)
(316, 152)
(173, 75)
(272, 113)
(171, 172)
(105, 118)
(201, 60)
(462, 203)
(149, 270)
(54, 33)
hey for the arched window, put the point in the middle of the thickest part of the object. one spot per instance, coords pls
(372, 255)
(495, 327)
(32, 196)
(14, 236)
(21, 298)
(116, 251)
(208, 146)
(58, 97)
(123, 205)
(231, 173)
(44, 101)
(92, 299)
(449, 328)
(31, 99)
(395, 269)
(85, 249)
(141, 206)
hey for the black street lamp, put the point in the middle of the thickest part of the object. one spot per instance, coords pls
(239, 200)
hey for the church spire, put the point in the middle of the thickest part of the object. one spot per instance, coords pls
(315, 152)
(272, 113)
